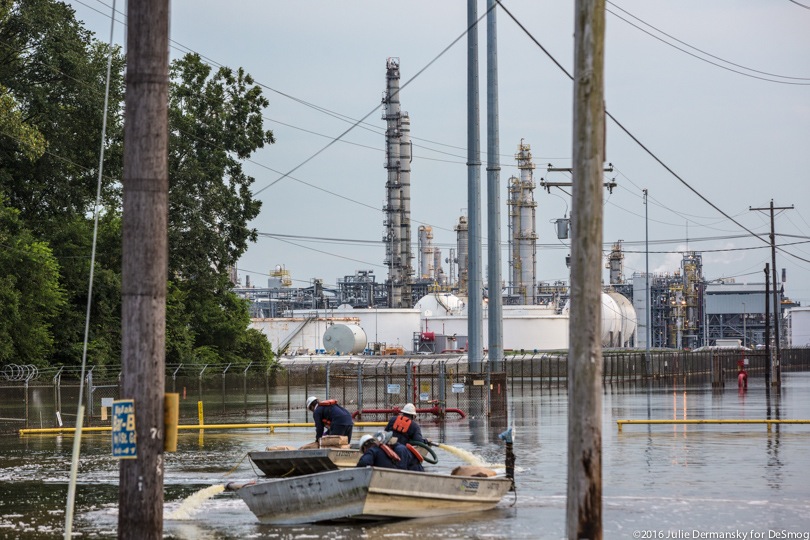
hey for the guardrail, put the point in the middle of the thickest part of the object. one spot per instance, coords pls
(769, 422)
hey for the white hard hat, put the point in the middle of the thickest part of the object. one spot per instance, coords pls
(364, 439)
(311, 400)
(409, 409)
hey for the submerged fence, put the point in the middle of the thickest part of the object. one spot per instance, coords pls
(371, 387)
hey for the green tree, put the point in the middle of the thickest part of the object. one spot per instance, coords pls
(52, 79)
(215, 120)
(30, 296)
(53, 74)
(56, 72)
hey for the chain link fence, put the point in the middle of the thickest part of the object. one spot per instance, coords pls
(371, 387)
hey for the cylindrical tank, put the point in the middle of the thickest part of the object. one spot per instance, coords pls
(628, 315)
(618, 319)
(345, 339)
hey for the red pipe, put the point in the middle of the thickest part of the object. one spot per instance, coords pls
(436, 410)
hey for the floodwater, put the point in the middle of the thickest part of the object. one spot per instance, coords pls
(662, 481)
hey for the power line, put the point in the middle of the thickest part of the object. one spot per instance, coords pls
(372, 111)
(702, 51)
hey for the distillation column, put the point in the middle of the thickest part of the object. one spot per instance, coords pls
(523, 236)
(397, 209)
(426, 257)
(692, 270)
(462, 243)
(615, 264)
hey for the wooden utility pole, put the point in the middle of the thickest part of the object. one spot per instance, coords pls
(145, 261)
(584, 508)
(768, 327)
(777, 312)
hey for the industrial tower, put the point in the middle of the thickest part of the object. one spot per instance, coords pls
(522, 233)
(463, 246)
(397, 209)
(615, 264)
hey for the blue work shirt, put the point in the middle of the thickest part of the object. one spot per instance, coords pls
(334, 418)
(407, 461)
(374, 456)
(411, 434)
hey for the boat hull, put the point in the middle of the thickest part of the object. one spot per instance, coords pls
(289, 463)
(369, 493)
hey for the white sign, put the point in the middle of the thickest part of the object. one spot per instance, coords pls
(458, 388)
(424, 396)
(393, 389)
(107, 401)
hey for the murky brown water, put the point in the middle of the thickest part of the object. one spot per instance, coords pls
(660, 480)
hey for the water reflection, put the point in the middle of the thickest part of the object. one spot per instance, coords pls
(712, 478)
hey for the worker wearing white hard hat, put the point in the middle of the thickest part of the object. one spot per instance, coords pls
(405, 427)
(382, 450)
(330, 418)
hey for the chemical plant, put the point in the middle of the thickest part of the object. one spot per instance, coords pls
(422, 309)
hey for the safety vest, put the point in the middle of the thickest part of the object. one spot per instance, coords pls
(390, 453)
(327, 403)
(402, 424)
(415, 452)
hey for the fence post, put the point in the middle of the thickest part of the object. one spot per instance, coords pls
(244, 385)
(174, 378)
(289, 408)
(385, 385)
(199, 383)
(89, 397)
(328, 373)
(442, 388)
(223, 386)
(360, 386)
(57, 395)
(408, 381)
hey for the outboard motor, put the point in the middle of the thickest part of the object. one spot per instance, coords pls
(506, 436)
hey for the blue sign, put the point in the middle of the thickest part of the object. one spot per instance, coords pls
(123, 429)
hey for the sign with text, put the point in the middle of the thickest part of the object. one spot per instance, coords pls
(123, 429)
(393, 389)
(458, 388)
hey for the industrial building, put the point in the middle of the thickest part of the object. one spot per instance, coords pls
(423, 308)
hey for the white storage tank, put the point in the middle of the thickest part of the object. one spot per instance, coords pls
(618, 319)
(345, 339)
(628, 317)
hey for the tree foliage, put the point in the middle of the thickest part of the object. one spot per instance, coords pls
(214, 121)
(30, 294)
(52, 80)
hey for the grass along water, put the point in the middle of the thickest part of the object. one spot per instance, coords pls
(193, 502)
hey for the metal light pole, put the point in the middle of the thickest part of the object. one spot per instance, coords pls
(647, 317)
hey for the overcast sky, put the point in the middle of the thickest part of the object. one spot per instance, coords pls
(729, 113)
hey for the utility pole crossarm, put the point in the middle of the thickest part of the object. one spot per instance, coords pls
(777, 312)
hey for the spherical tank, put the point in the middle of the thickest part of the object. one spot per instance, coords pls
(345, 339)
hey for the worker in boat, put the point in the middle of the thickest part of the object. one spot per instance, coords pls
(404, 426)
(330, 418)
(382, 450)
